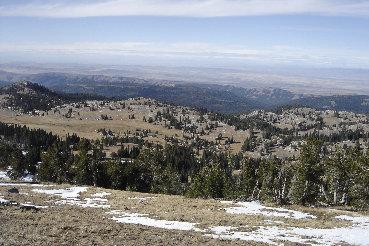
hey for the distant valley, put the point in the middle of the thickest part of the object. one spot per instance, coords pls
(214, 97)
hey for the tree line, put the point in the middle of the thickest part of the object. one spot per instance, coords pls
(316, 178)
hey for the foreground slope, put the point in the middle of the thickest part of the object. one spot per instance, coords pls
(64, 214)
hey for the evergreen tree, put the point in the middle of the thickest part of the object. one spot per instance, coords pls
(117, 175)
(270, 190)
(18, 164)
(309, 172)
(83, 173)
(249, 176)
(359, 188)
(210, 182)
(5, 155)
(99, 169)
(339, 170)
(32, 157)
(56, 164)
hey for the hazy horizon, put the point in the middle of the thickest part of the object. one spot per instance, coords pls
(205, 33)
(319, 81)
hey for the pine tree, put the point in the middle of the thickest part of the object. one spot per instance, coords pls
(210, 182)
(358, 195)
(18, 164)
(309, 172)
(83, 173)
(249, 177)
(270, 190)
(339, 169)
(56, 164)
(99, 170)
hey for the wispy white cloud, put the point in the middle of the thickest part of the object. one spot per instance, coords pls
(188, 8)
(195, 51)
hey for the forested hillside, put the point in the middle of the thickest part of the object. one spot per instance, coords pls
(317, 178)
(215, 97)
(290, 155)
(29, 96)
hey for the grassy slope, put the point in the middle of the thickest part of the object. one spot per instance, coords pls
(71, 225)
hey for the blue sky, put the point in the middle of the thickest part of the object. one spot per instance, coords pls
(318, 33)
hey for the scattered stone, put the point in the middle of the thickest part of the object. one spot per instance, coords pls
(13, 190)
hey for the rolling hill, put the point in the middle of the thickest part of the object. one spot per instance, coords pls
(214, 97)
(28, 96)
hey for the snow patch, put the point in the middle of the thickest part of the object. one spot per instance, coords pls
(255, 208)
(4, 176)
(25, 184)
(86, 203)
(222, 229)
(71, 197)
(115, 212)
(141, 219)
(356, 234)
(263, 234)
(27, 178)
(102, 194)
(68, 193)
(357, 219)
(140, 198)
(27, 204)
(2, 200)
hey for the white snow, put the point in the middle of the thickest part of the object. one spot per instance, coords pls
(98, 199)
(4, 176)
(27, 204)
(272, 232)
(25, 184)
(358, 219)
(262, 234)
(27, 178)
(356, 234)
(68, 193)
(222, 229)
(255, 208)
(274, 221)
(140, 198)
(70, 196)
(2, 200)
(86, 203)
(142, 219)
(115, 212)
(95, 203)
(102, 194)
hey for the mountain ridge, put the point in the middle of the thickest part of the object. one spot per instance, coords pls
(28, 96)
(214, 97)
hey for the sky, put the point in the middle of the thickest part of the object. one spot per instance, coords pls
(312, 33)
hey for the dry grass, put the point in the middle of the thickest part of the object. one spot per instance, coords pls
(85, 123)
(73, 225)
